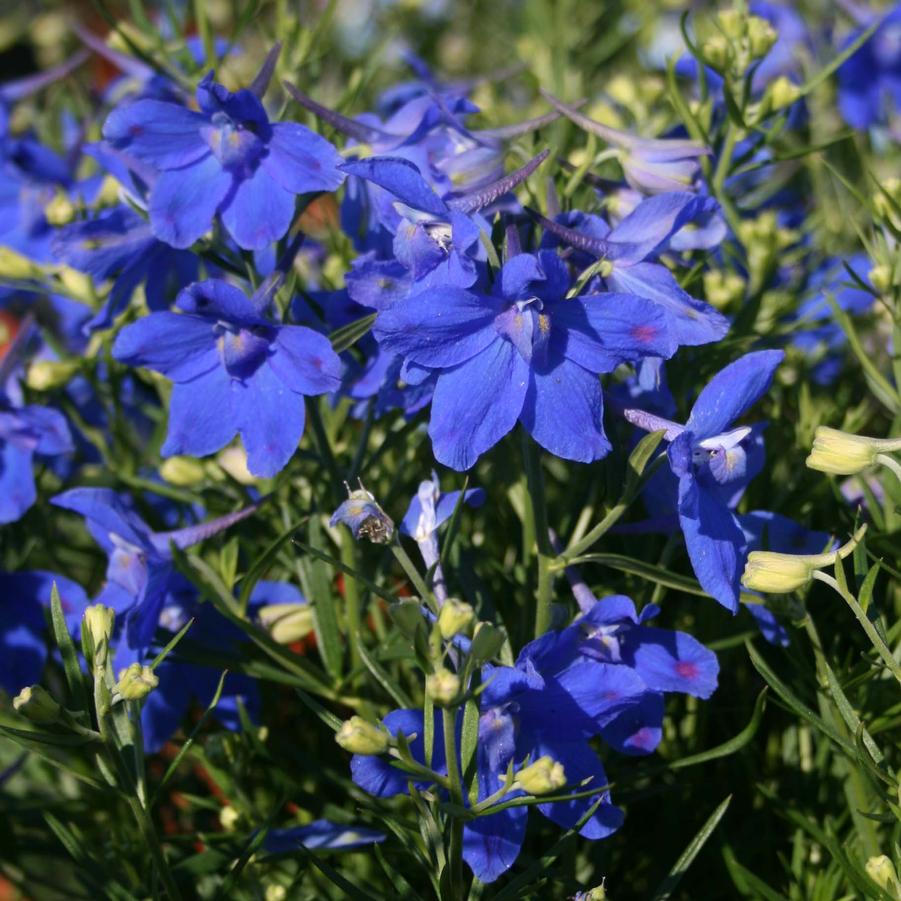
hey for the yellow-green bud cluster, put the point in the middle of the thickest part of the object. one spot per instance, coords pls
(359, 736)
(738, 40)
(542, 777)
(455, 617)
(443, 687)
(723, 288)
(136, 682)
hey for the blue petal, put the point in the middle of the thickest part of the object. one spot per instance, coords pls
(564, 412)
(732, 391)
(270, 417)
(164, 134)
(181, 347)
(492, 843)
(439, 327)
(402, 179)
(672, 661)
(692, 321)
(258, 211)
(304, 361)
(106, 515)
(183, 202)
(604, 330)
(301, 161)
(201, 415)
(714, 541)
(49, 429)
(770, 628)
(321, 834)
(377, 284)
(218, 299)
(477, 403)
(639, 728)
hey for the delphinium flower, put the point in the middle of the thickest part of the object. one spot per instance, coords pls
(140, 574)
(522, 352)
(234, 371)
(428, 510)
(322, 835)
(226, 159)
(118, 244)
(650, 165)
(709, 458)
(869, 81)
(627, 259)
(604, 675)
(364, 517)
(24, 432)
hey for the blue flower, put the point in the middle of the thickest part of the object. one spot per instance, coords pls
(140, 575)
(228, 158)
(118, 244)
(364, 517)
(869, 81)
(521, 353)
(234, 371)
(710, 461)
(24, 432)
(320, 834)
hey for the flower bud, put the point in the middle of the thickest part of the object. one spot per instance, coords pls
(45, 375)
(36, 704)
(880, 277)
(841, 453)
(15, 266)
(60, 210)
(455, 617)
(774, 573)
(442, 687)
(782, 92)
(541, 777)
(228, 818)
(287, 623)
(275, 892)
(185, 472)
(882, 871)
(761, 36)
(136, 682)
(723, 288)
(359, 736)
(96, 628)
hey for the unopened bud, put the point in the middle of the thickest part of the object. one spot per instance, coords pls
(15, 266)
(782, 92)
(287, 623)
(136, 682)
(45, 375)
(442, 687)
(60, 210)
(841, 453)
(541, 777)
(228, 818)
(773, 573)
(761, 36)
(36, 704)
(880, 277)
(882, 871)
(723, 288)
(185, 472)
(96, 629)
(359, 736)
(275, 892)
(455, 617)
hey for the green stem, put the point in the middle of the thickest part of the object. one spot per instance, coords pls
(576, 550)
(351, 598)
(455, 786)
(535, 500)
(864, 620)
(145, 824)
(890, 463)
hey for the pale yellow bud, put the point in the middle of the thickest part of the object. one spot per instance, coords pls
(234, 461)
(761, 36)
(14, 265)
(541, 777)
(841, 453)
(359, 736)
(880, 277)
(36, 704)
(96, 628)
(782, 92)
(228, 818)
(185, 472)
(716, 51)
(442, 687)
(136, 682)
(276, 892)
(287, 623)
(45, 375)
(723, 288)
(882, 871)
(455, 617)
(774, 573)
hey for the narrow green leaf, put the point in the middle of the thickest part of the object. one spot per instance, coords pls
(167, 650)
(394, 691)
(78, 695)
(686, 859)
(261, 564)
(345, 337)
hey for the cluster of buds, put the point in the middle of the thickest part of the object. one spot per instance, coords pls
(543, 776)
(739, 40)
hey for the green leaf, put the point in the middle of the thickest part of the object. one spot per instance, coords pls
(322, 601)
(348, 335)
(686, 858)
(395, 692)
(170, 646)
(639, 459)
(78, 695)
(262, 563)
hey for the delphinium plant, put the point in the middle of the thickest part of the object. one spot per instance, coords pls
(450, 451)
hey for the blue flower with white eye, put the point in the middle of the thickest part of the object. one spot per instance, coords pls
(522, 353)
(226, 159)
(234, 371)
(710, 461)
